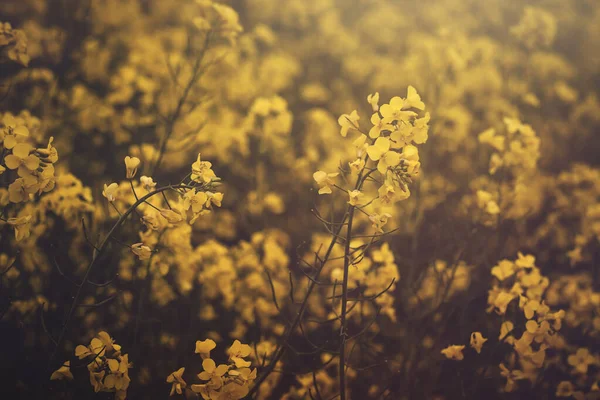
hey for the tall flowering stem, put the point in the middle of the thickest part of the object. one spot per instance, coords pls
(388, 150)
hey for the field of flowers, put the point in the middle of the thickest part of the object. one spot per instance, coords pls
(299, 199)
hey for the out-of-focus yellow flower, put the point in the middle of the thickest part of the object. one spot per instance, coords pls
(21, 226)
(142, 251)
(356, 197)
(348, 122)
(489, 136)
(357, 165)
(581, 360)
(379, 220)
(110, 191)
(564, 389)
(325, 181)
(454, 352)
(504, 269)
(172, 216)
(214, 198)
(485, 202)
(147, 183)
(373, 100)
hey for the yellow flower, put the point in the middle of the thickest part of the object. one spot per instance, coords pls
(564, 389)
(142, 251)
(172, 216)
(356, 197)
(17, 191)
(348, 122)
(214, 198)
(202, 171)
(131, 166)
(378, 221)
(64, 372)
(176, 379)
(357, 165)
(379, 148)
(454, 352)
(477, 341)
(419, 133)
(378, 126)
(194, 200)
(489, 137)
(237, 352)
(325, 181)
(390, 159)
(360, 145)
(49, 154)
(213, 373)
(525, 261)
(394, 111)
(581, 360)
(373, 100)
(15, 133)
(21, 226)
(504, 269)
(530, 308)
(110, 191)
(20, 157)
(486, 202)
(203, 347)
(413, 100)
(147, 183)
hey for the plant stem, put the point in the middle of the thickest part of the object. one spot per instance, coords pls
(343, 316)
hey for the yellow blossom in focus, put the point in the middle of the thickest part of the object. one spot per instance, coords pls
(203, 347)
(176, 379)
(131, 166)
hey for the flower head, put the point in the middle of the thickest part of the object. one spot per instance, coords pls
(348, 122)
(131, 166)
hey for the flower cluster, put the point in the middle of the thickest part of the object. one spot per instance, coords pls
(537, 28)
(522, 280)
(230, 381)
(13, 44)
(108, 367)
